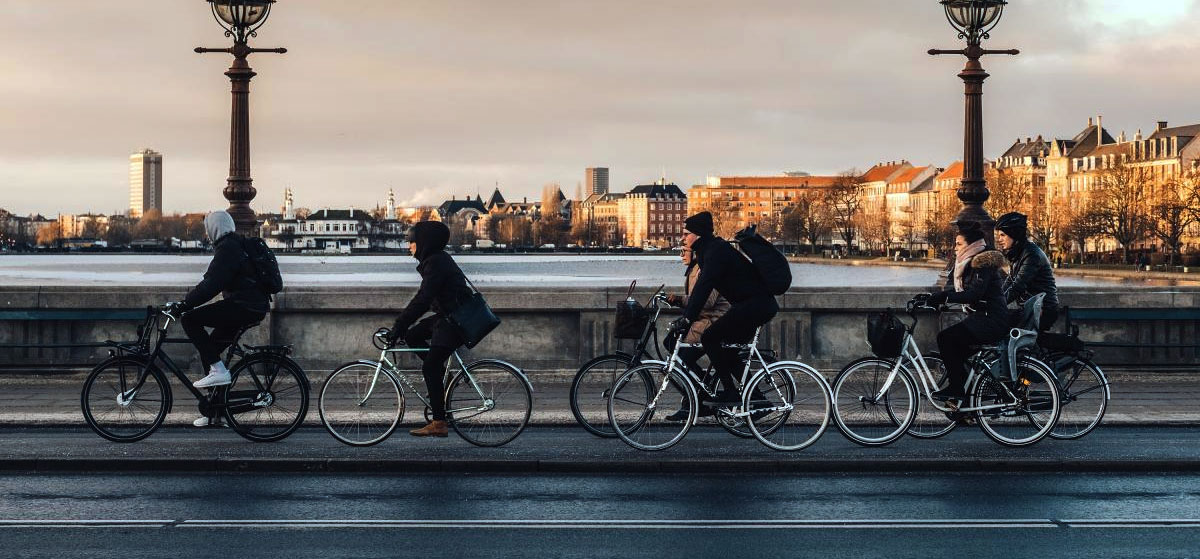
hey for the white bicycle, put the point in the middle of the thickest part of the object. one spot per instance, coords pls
(877, 400)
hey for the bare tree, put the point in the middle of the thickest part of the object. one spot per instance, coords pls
(1010, 192)
(50, 235)
(1173, 212)
(844, 200)
(1082, 224)
(150, 226)
(1122, 204)
(118, 234)
(938, 229)
(809, 218)
(875, 229)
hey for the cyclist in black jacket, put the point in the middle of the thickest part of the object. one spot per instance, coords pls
(1031, 270)
(243, 302)
(725, 270)
(443, 287)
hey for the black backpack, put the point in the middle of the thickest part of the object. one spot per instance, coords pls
(266, 268)
(772, 266)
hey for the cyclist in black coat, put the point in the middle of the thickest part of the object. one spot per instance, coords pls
(230, 273)
(443, 287)
(1031, 270)
(976, 282)
(725, 270)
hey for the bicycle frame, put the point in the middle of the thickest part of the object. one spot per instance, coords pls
(676, 364)
(386, 355)
(912, 352)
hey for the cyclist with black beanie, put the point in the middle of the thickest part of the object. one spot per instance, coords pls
(443, 287)
(1031, 270)
(725, 270)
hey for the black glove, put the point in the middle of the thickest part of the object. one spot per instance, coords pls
(680, 325)
(937, 298)
(395, 334)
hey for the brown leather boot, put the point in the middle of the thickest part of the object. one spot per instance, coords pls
(434, 429)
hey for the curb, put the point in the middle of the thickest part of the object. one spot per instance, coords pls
(719, 466)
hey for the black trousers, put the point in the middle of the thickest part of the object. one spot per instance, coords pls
(735, 326)
(954, 343)
(225, 318)
(441, 339)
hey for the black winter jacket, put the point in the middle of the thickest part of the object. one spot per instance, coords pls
(443, 286)
(1031, 274)
(231, 274)
(724, 269)
(983, 292)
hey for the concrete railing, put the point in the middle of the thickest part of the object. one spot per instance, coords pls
(559, 328)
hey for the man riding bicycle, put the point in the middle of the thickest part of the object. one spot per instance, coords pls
(713, 309)
(723, 269)
(243, 302)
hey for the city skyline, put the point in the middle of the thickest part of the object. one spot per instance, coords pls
(443, 99)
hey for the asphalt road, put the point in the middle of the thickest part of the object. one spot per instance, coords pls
(569, 449)
(893, 515)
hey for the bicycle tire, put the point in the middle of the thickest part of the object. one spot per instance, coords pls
(505, 408)
(590, 389)
(267, 398)
(930, 422)
(797, 401)
(345, 410)
(135, 416)
(1083, 405)
(863, 418)
(1023, 421)
(640, 421)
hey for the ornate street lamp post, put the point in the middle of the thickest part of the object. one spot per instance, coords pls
(974, 19)
(240, 19)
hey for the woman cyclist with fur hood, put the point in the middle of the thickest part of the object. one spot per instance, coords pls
(978, 283)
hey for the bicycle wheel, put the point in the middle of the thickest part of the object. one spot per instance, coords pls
(124, 400)
(795, 405)
(642, 398)
(930, 422)
(1084, 399)
(491, 405)
(862, 413)
(1020, 412)
(267, 399)
(361, 403)
(590, 390)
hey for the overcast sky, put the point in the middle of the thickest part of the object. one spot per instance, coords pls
(441, 97)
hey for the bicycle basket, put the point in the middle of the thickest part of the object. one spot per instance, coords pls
(885, 334)
(631, 320)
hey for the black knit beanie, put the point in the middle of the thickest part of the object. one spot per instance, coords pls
(700, 224)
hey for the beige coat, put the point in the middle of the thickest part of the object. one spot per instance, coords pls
(714, 308)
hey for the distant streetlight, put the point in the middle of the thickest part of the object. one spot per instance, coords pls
(240, 19)
(974, 20)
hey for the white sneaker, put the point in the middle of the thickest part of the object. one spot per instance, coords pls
(205, 422)
(218, 375)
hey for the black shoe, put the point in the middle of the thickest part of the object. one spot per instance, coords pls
(680, 415)
(949, 394)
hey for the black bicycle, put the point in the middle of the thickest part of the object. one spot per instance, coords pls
(127, 396)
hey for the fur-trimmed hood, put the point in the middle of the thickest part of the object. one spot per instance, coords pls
(990, 258)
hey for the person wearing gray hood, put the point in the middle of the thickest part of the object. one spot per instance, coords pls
(243, 302)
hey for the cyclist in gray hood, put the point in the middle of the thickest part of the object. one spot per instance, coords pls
(242, 303)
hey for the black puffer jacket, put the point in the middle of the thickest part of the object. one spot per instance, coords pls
(1031, 274)
(724, 269)
(443, 284)
(983, 292)
(231, 274)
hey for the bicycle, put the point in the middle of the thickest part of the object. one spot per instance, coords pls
(876, 400)
(1083, 386)
(127, 396)
(785, 404)
(596, 377)
(488, 401)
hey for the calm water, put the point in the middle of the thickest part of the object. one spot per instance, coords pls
(568, 270)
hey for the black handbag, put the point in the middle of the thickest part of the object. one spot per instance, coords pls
(473, 318)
